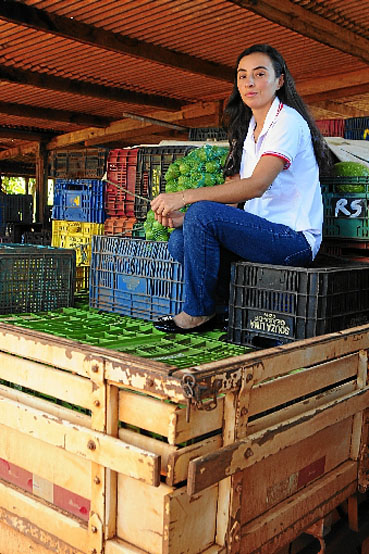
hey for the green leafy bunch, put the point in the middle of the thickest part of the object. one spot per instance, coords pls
(202, 167)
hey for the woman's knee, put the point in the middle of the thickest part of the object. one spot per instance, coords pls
(198, 212)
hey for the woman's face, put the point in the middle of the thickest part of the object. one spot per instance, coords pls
(257, 82)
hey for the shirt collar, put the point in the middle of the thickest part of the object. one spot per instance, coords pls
(273, 112)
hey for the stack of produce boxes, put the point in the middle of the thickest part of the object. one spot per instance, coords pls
(137, 277)
(78, 212)
(130, 275)
(346, 224)
(119, 194)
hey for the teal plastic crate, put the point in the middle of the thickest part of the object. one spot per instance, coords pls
(346, 204)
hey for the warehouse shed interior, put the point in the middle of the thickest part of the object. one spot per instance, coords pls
(115, 437)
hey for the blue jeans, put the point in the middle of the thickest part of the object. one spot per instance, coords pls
(213, 235)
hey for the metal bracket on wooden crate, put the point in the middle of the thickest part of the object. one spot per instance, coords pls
(194, 392)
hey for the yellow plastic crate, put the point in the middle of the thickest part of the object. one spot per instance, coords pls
(76, 235)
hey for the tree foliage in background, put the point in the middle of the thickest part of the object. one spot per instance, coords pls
(14, 185)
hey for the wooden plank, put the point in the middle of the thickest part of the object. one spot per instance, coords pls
(112, 395)
(13, 541)
(278, 361)
(90, 445)
(167, 419)
(174, 460)
(266, 396)
(178, 460)
(47, 349)
(210, 469)
(301, 407)
(282, 475)
(46, 461)
(38, 520)
(140, 513)
(46, 406)
(46, 379)
(118, 546)
(161, 448)
(226, 485)
(300, 511)
(189, 523)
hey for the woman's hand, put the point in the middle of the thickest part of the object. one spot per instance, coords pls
(173, 220)
(167, 203)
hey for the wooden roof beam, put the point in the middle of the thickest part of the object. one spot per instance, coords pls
(29, 16)
(82, 88)
(186, 117)
(339, 108)
(302, 21)
(35, 112)
(24, 134)
(22, 150)
(334, 87)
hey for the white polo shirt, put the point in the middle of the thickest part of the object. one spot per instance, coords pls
(294, 198)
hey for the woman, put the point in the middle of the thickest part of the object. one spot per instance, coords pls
(273, 167)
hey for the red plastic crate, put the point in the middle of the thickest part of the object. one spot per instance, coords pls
(331, 127)
(121, 169)
(119, 226)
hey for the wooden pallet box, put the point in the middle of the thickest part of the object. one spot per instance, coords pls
(106, 452)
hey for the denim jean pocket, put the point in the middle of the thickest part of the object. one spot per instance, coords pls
(303, 258)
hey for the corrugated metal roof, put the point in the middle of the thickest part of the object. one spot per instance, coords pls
(205, 31)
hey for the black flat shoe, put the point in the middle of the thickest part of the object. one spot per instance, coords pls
(168, 325)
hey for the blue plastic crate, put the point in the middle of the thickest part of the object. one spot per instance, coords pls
(135, 277)
(79, 200)
(357, 128)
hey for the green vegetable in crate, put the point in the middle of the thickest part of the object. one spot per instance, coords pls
(202, 167)
(351, 169)
(154, 230)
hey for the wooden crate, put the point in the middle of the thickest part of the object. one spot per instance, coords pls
(132, 456)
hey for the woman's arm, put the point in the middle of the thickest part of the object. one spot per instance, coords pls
(233, 191)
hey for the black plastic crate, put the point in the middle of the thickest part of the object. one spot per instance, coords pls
(78, 164)
(271, 305)
(207, 133)
(357, 128)
(152, 164)
(16, 208)
(35, 278)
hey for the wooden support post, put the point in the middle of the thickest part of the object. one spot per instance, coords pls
(98, 472)
(41, 181)
(317, 531)
(352, 512)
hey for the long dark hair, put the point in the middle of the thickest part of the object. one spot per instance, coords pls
(237, 115)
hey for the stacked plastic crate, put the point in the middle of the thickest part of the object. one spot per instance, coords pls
(119, 194)
(357, 128)
(78, 211)
(129, 275)
(346, 217)
(14, 208)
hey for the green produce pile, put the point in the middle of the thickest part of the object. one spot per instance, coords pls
(350, 170)
(202, 167)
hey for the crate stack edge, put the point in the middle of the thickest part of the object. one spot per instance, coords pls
(346, 217)
(135, 277)
(272, 305)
